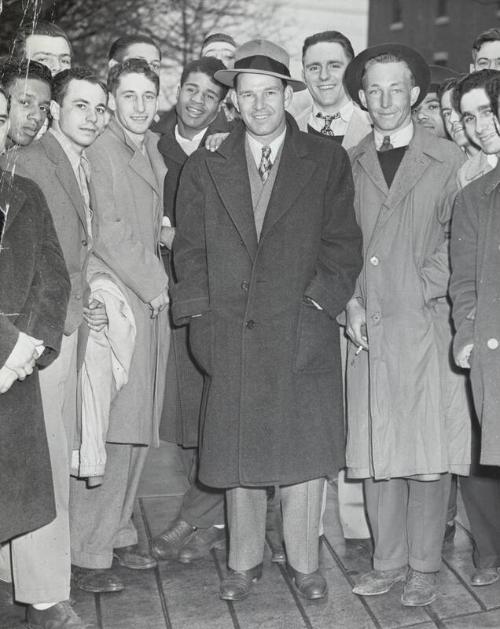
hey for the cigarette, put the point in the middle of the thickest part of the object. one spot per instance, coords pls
(358, 351)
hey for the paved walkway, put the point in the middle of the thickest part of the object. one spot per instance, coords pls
(177, 596)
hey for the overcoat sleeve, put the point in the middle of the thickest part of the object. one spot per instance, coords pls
(463, 251)
(190, 292)
(116, 244)
(339, 260)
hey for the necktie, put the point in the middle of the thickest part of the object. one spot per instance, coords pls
(83, 182)
(328, 118)
(265, 163)
(386, 144)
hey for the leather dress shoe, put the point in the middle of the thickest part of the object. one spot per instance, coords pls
(59, 616)
(200, 544)
(96, 580)
(311, 586)
(168, 544)
(131, 557)
(484, 576)
(378, 582)
(420, 588)
(237, 584)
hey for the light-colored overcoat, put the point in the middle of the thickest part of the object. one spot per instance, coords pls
(273, 411)
(128, 206)
(407, 410)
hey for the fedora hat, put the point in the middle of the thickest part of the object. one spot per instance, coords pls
(260, 56)
(415, 61)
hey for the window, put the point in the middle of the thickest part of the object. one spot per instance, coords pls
(397, 16)
(440, 58)
(442, 16)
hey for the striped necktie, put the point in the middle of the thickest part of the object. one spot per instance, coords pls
(265, 163)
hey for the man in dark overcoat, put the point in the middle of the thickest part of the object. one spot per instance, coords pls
(198, 114)
(266, 254)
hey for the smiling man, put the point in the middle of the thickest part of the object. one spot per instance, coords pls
(261, 316)
(29, 87)
(57, 163)
(128, 173)
(428, 113)
(408, 424)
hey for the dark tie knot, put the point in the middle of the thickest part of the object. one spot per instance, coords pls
(386, 143)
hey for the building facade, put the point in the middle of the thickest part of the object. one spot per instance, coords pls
(442, 30)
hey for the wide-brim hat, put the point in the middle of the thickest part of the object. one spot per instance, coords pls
(415, 61)
(260, 56)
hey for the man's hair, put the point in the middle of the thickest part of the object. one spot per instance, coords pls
(492, 34)
(208, 66)
(387, 57)
(36, 28)
(474, 80)
(223, 37)
(131, 66)
(448, 84)
(61, 81)
(493, 90)
(14, 70)
(6, 96)
(120, 46)
(332, 37)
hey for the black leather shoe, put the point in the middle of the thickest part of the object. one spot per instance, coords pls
(133, 558)
(484, 576)
(200, 544)
(59, 616)
(96, 580)
(236, 585)
(310, 586)
(168, 544)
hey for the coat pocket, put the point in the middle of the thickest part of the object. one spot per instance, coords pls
(317, 346)
(201, 341)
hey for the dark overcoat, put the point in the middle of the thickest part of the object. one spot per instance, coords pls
(273, 411)
(34, 292)
(184, 386)
(475, 292)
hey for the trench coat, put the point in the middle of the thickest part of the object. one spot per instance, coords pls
(184, 384)
(128, 204)
(407, 407)
(475, 292)
(272, 410)
(34, 291)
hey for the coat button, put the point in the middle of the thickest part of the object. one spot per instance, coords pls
(244, 285)
(84, 243)
(492, 343)
(374, 260)
(78, 296)
(376, 317)
(250, 324)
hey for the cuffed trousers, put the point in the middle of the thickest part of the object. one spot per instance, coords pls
(101, 517)
(301, 508)
(41, 566)
(408, 520)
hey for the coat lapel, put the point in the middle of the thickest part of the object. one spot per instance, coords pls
(368, 161)
(230, 176)
(294, 173)
(11, 198)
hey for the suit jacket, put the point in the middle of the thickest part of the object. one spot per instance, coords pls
(34, 291)
(184, 386)
(128, 206)
(272, 412)
(45, 162)
(359, 126)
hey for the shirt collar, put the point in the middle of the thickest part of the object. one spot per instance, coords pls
(193, 142)
(70, 151)
(345, 111)
(256, 146)
(399, 138)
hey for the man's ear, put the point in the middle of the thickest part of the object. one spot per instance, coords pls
(111, 63)
(415, 91)
(362, 98)
(111, 102)
(288, 94)
(234, 99)
(55, 110)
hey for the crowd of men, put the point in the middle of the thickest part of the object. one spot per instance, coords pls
(231, 278)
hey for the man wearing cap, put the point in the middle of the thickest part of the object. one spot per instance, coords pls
(428, 113)
(411, 426)
(277, 204)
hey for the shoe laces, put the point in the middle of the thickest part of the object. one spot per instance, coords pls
(420, 580)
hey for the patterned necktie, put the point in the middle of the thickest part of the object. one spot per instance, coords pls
(328, 118)
(386, 144)
(265, 163)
